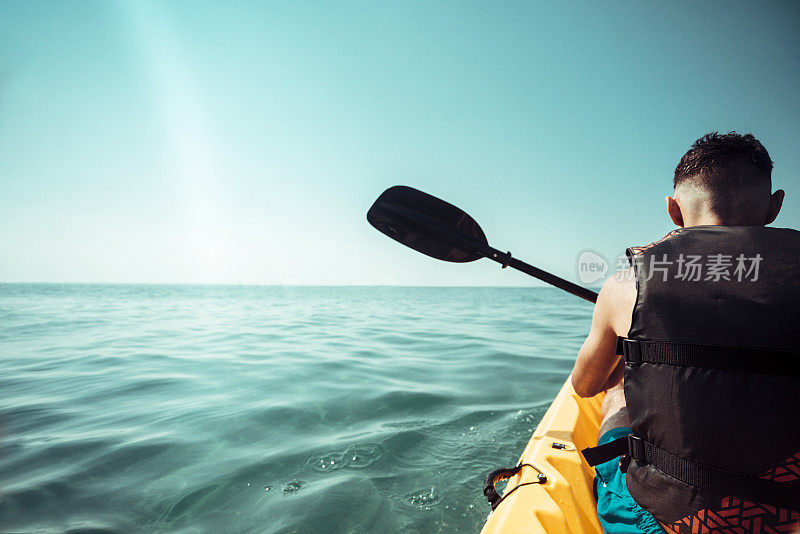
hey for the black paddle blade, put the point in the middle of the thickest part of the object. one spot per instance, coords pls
(427, 224)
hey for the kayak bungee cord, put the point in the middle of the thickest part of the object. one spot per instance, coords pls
(503, 474)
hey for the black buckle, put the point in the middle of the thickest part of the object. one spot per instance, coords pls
(632, 351)
(636, 449)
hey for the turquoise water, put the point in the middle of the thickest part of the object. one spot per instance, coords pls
(270, 409)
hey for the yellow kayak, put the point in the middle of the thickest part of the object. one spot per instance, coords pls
(554, 493)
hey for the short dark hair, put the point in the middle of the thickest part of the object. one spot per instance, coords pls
(717, 161)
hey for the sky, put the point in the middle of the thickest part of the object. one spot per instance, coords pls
(243, 142)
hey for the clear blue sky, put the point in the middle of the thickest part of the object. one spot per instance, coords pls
(242, 142)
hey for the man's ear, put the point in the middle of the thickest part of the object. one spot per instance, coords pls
(674, 211)
(775, 203)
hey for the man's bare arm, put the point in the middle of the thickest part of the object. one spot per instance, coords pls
(598, 367)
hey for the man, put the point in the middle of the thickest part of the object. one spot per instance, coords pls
(708, 440)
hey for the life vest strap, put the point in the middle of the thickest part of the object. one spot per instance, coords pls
(607, 451)
(707, 477)
(743, 359)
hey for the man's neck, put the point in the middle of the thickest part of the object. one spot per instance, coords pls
(710, 219)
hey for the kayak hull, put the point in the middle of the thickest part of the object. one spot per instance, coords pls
(566, 502)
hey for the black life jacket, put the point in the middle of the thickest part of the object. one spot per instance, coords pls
(712, 379)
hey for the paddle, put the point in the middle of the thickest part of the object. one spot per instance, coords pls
(440, 230)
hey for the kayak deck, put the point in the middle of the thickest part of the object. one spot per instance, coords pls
(565, 503)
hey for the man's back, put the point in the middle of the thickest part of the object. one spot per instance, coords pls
(723, 409)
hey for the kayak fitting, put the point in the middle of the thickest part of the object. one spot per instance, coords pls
(504, 473)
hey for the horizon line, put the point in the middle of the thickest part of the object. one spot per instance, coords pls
(227, 284)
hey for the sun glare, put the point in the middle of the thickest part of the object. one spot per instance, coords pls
(193, 165)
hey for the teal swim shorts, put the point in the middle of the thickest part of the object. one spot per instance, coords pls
(618, 512)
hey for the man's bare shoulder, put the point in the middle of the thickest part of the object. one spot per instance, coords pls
(616, 300)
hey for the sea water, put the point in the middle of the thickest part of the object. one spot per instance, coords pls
(133, 408)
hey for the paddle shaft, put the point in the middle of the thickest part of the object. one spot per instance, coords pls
(503, 258)
(569, 287)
